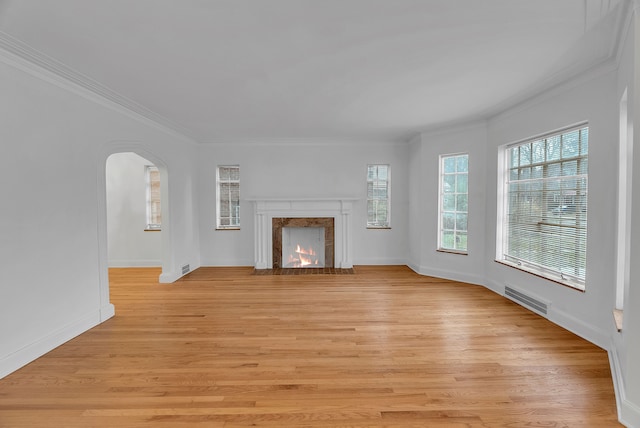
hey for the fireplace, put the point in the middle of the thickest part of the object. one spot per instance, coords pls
(302, 242)
(332, 214)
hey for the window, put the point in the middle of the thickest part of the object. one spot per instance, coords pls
(454, 203)
(378, 177)
(154, 214)
(545, 206)
(625, 178)
(228, 203)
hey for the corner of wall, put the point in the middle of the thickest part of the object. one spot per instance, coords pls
(173, 276)
(107, 311)
(446, 274)
(628, 413)
(588, 332)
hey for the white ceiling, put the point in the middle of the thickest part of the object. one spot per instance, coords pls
(232, 70)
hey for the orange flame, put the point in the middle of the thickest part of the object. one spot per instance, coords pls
(303, 257)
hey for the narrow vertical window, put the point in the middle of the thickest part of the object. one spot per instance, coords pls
(625, 177)
(454, 203)
(378, 189)
(228, 202)
(154, 214)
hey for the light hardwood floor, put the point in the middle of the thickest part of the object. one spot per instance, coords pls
(382, 348)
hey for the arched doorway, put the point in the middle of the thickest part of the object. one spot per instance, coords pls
(134, 217)
(133, 154)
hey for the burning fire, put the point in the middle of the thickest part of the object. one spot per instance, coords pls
(303, 257)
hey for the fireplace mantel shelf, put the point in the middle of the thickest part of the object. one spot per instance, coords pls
(338, 198)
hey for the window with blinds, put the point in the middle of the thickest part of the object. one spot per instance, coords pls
(228, 201)
(545, 219)
(454, 203)
(378, 178)
(154, 214)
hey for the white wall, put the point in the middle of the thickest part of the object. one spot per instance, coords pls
(627, 345)
(304, 170)
(416, 203)
(427, 150)
(56, 138)
(589, 313)
(594, 97)
(129, 243)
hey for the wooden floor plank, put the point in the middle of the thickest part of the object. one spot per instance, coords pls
(383, 347)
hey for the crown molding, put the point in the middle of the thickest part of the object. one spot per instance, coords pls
(300, 141)
(570, 76)
(471, 124)
(623, 24)
(22, 56)
(564, 79)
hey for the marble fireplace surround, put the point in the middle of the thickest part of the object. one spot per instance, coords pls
(277, 223)
(339, 209)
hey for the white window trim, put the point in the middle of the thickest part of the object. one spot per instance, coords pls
(388, 225)
(625, 180)
(218, 225)
(501, 225)
(148, 169)
(440, 207)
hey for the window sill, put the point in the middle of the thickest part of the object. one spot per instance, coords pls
(227, 228)
(618, 318)
(570, 285)
(153, 230)
(379, 227)
(444, 250)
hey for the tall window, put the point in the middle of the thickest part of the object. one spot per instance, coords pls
(154, 214)
(625, 178)
(228, 202)
(454, 203)
(545, 206)
(378, 179)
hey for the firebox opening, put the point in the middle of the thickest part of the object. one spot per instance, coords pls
(316, 244)
(303, 247)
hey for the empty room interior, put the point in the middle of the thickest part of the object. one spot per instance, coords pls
(319, 213)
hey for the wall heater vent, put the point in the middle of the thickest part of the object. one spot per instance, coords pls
(185, 269)
(529, 302)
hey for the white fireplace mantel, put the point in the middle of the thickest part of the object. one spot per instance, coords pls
(339, 208)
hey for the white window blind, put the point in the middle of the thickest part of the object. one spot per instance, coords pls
(378, 178)
(228, 201)
(545, 226)
(454, 203)
(154, 214)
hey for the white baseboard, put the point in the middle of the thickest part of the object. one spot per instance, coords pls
(173, 276)
(29, 353)
(495, 287)
(229, 263)
(169, 277)
(566, 321)
(380, 262)
(107, 312)
(446, 274)
(628, 413)
(134, 263)
(576, 326)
